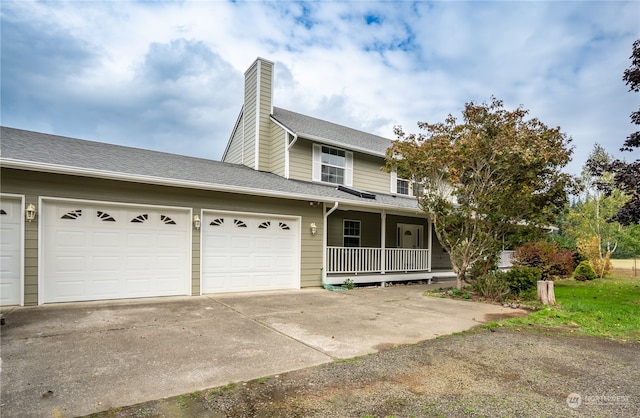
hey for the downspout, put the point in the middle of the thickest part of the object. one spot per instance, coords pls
(286, 155)
(324, 242)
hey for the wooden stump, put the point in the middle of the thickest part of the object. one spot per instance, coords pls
(546, 293)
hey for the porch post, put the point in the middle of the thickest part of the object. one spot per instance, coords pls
(383, 240)
(430, 242)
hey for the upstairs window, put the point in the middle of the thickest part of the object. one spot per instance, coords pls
(332, 165)
(402, 186)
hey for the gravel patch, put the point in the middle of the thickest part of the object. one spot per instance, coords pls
(497, 372)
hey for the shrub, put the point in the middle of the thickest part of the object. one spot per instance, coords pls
(546, 256)
(584, 271)
(521, 280)
(491, 285)
(600, 260)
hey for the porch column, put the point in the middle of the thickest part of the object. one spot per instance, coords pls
(430, 242)
(383, 240)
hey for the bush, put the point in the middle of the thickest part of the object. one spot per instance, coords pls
(584, 271)
(521, 280)
(491, 286)
(552, 261)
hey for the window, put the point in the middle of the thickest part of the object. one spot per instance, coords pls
(332, 165)
(351, 233)
(402, 186)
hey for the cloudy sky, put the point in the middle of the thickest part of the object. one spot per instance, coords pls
(168, 76)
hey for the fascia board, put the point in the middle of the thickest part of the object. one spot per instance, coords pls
(188, 184)
(340, 144)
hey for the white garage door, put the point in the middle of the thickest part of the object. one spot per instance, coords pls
(248, 252)
(10, 250)
(95, 251)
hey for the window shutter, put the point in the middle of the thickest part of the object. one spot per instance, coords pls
(316, 174)
(348, 170)
(394, 182)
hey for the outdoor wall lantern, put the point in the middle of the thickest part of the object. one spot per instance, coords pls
(196, 221)
(314, 228)
(30, 212)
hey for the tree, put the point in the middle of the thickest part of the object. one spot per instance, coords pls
(493, 170)
(627, 175)
(589, 218)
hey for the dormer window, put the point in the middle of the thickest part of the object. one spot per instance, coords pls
(332, 165)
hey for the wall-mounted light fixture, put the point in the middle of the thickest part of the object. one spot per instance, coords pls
(314, 228)
(196, 221)
(30, 212)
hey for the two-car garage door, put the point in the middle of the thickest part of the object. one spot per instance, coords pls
(93, 251)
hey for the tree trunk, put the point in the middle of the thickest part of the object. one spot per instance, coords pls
(546, 294)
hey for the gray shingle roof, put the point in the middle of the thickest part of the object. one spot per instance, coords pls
(318, 129)
(52, 153)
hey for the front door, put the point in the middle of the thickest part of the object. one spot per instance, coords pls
(410, 236)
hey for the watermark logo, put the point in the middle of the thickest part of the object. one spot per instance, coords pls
(574, 400)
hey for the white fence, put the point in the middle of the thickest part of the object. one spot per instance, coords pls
(376, 260)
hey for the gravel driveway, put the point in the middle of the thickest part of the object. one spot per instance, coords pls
(532, 372)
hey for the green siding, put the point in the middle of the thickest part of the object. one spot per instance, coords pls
(368, 175)
(266, 71)
(369, 228)
(277, 149)
(300, 163)
(34, 184)
(234, 151)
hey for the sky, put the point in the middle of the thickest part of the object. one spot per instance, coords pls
(168, 76)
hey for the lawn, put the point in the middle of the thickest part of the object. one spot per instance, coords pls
(607, 307)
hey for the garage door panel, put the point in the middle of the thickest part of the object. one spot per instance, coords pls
(244, 252)
(121, 251)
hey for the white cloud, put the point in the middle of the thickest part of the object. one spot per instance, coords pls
(168, 75)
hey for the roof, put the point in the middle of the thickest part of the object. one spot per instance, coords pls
(331, 133)
(35, 151)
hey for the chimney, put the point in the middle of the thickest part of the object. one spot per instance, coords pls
(258, 106)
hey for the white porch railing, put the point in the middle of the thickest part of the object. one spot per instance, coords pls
(376, 260)
(505, 259)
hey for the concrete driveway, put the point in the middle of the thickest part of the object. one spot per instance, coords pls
(76, 359)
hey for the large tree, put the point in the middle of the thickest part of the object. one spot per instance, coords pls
(627, 175)
(481, 176)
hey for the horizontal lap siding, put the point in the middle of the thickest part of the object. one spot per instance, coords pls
(250, 97)
(300, 164)
(277, 149)
(368, 175)
(264, 117)
(33, 185)
(234, 153)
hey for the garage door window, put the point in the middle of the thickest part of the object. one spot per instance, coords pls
(74, 214)
(217, 222)
(104, 216)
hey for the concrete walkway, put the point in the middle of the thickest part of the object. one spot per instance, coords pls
(78, 358)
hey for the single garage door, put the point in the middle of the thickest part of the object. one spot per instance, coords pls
(249, 252)
(94, 251)
(10, 250)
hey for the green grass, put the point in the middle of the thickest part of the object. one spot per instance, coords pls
(607, 307)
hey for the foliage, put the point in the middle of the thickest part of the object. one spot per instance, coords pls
(584, 271)
(590, 248)
(546, 256)
(348, 284)
(606, 308)
(521, 280)
(481, 176)
(627, 175)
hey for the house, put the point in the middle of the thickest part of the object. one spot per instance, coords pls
(295, 202)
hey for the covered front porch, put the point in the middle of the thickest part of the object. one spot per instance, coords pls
(382, 247)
